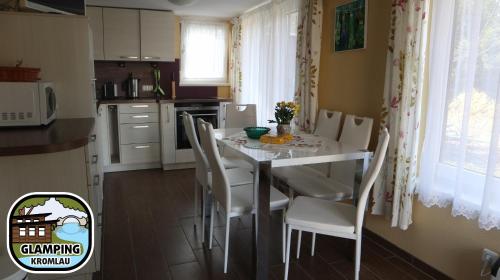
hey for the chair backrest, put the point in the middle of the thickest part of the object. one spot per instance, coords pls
(359, 134)
(241, 115)
(220, 183)
(328, 124)
(370, 177)
(201, 161)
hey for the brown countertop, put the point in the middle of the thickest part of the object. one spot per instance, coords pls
(61, 135)
(150, 100)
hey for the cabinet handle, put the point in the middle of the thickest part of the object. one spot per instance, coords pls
(96, 181)
(140, 106)
(93, 137)
(95, 159)
(150, 57)
(140, 116)
(142, 147)
(140, 126)
(168, 114)
(129, 56)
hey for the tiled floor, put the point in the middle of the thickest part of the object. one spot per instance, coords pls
(149, 234)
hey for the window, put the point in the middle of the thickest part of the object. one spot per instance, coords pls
(268, 57)
(32, 231)
(22, 231)
(36, 220)
(19, 221)
(204, 50)
(461, 155)
(41, 231)
(27, 221)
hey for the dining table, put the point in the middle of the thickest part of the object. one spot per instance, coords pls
(303, 149)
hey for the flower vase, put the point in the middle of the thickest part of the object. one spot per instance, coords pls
(283, 129)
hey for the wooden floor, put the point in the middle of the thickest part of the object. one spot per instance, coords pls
(149, 234)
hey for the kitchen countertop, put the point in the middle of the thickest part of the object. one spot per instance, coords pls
(61, 135)
(161, 101)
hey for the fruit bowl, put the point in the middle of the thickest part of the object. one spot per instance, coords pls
(255, 132)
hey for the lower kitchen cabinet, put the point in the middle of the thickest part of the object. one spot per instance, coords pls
(132, 136)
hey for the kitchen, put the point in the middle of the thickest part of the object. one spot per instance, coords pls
(257, 139)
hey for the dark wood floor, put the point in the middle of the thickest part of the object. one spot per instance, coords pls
(149, 234)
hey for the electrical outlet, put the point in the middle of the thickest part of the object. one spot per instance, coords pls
(489, 257)
(147, 87)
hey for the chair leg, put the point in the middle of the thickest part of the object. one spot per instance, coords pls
(357, 264)
(313, 245)
(211, 235)
(226, 247)
(203, 214)
(283, 242)
(288, 241)
(196, 198)
(299, 241)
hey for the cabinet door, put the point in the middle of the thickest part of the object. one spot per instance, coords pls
(121, 34)
(157, 36)
(95, 20)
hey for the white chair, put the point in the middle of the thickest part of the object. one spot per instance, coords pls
(356, 132)
(236, 201)
(241, 115)
(334, 218)
(237, 176)
(328, 125)
(238, 116)
(340, 185)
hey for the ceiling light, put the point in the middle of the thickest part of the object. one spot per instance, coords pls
(182, 2)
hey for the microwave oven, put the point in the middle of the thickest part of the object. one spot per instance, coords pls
(27, 104)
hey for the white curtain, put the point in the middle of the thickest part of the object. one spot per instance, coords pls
(204, 52)
(268, 50)
(461, 160)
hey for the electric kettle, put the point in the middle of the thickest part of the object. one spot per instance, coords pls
(132, 86)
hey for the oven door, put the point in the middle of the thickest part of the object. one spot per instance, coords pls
(208, 115)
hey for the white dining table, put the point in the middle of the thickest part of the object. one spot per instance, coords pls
(302, 150)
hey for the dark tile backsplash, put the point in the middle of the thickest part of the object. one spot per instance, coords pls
(118, 72)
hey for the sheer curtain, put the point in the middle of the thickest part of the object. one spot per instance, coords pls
(204, 52)
(268, 49)
(460, 159)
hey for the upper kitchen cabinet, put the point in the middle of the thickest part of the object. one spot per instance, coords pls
(95, 19)
(157, 35)
(121, 34)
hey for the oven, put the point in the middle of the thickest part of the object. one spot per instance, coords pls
(209, 112)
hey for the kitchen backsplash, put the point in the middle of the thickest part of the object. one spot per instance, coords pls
(118, 72)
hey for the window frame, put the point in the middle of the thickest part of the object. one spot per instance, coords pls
(204, 82)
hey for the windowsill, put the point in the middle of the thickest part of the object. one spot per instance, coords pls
(181, 84)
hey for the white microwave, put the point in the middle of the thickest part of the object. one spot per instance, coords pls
(27, 104)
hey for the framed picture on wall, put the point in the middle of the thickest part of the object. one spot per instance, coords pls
(349, 32)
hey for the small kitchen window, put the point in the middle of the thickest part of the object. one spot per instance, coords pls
(204, 48)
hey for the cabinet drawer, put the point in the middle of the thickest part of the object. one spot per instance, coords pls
(138, 108)
(139, 118)
(140, 153)
(139, 133)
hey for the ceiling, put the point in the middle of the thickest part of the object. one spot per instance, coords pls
(206, 8)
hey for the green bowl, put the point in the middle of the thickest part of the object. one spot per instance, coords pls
(256, 132)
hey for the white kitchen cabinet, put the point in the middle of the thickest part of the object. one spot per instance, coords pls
(96, 25)
(138, 133)
(121, 34)
(167, 117)
(157, 35)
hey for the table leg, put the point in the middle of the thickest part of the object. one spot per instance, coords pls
(263, 221)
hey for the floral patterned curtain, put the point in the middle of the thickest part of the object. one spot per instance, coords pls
(235, 60)
(404, 81)
(308, 57)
